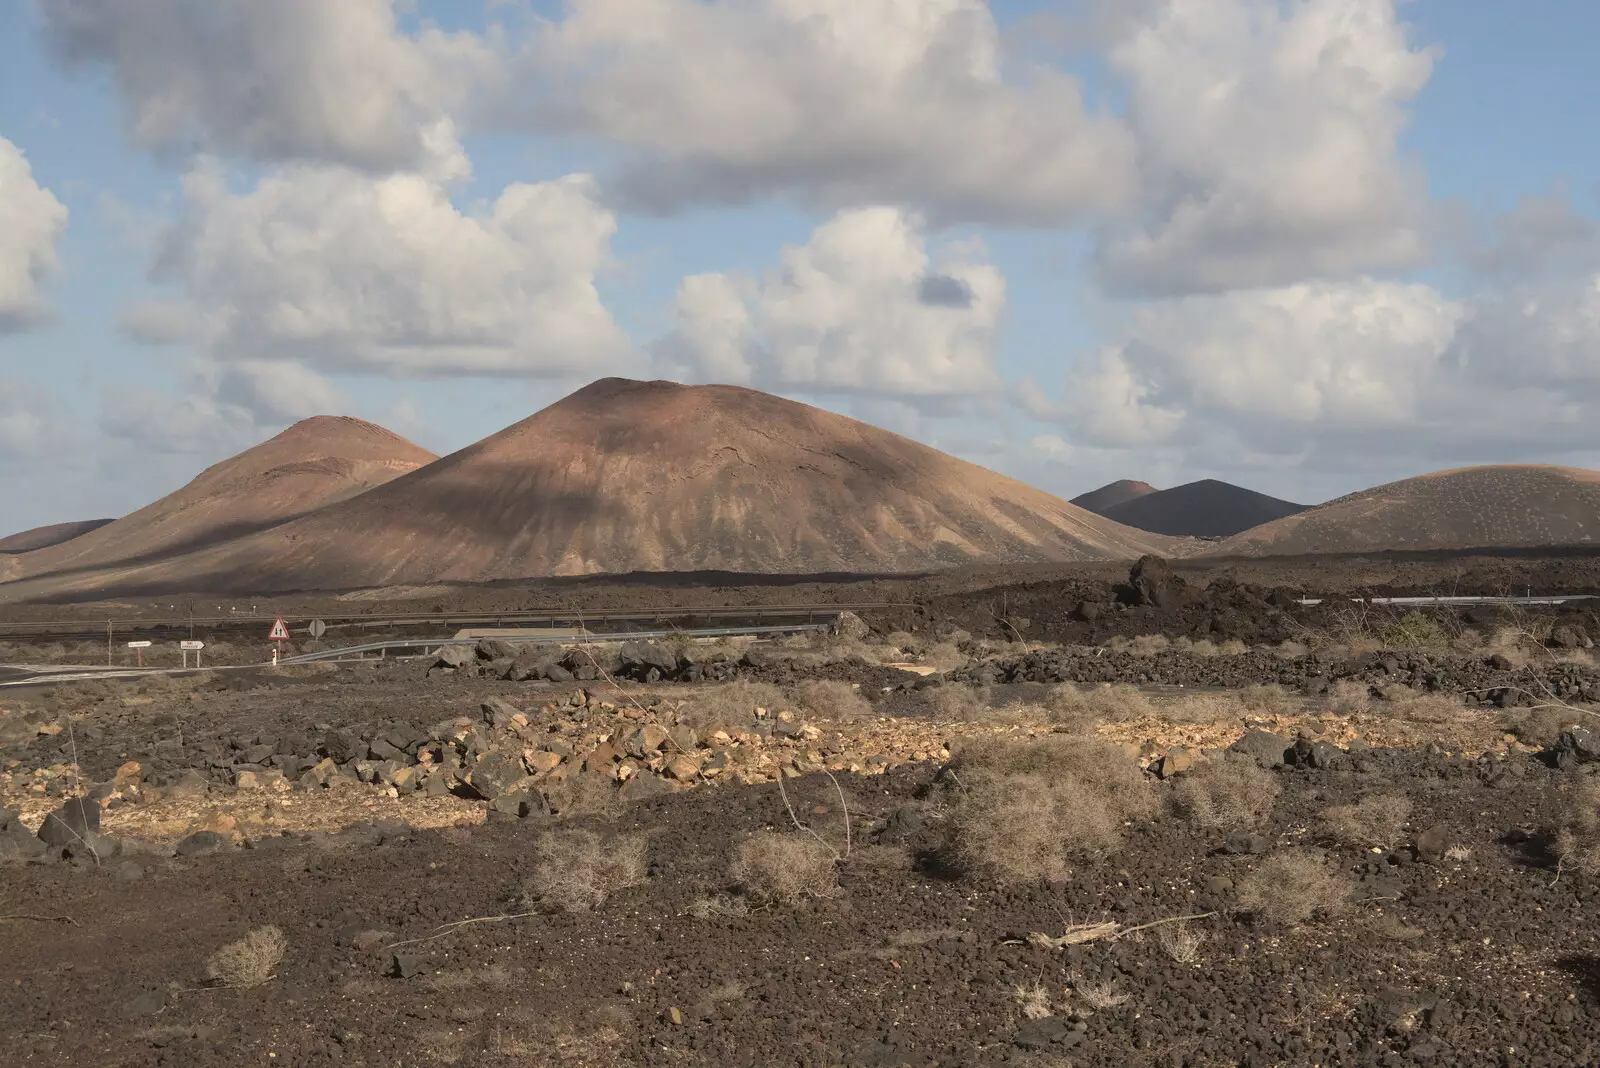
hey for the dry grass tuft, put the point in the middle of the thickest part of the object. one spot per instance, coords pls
(1349, 698)
(1578, 837)
(1100, 996)
(1021, 809)
(731, 704)
(576, 870)
(1373, 821)
(1180, 941)
(957, 701)
(1142, 645)
(1291, 888)
(786, 868)
(248, 962)
(1268, 700)
(1033, 1000)
(1069, 704)
(1225, 792)
(832, 698)
(1539, 726)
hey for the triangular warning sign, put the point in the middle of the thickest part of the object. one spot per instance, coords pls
(280, 632)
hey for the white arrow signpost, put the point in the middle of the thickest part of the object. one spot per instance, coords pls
(139, 648)
(191, 647)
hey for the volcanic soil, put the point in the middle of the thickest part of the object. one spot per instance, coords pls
(1455, 935)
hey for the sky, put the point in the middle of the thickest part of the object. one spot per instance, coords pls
(1307, 246)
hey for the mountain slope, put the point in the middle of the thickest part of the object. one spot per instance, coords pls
(652, 476)
(1204, 509)
(315, 462)
(1508, 506)
(44, 537)
(1112, 494)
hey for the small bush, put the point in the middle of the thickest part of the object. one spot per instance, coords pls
(1180, 941)
(1142, 645)
(248, 962)
(1022, 809)
(1225, 792)
(731, 704)
(1539, 726)
(1349, 698)
(576, 870)
(785, 868)
(1292, 888)
(957, 701)
(1372, 821)
(1268, 700)
(832, 698)
(1578, 838)
(1414, 630)
(1067, 703)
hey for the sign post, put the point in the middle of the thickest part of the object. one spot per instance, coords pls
(191, 646)
(279, 634)
(317, 628)
(139, 648)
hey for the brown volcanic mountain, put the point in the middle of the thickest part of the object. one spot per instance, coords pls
(1112, 494)
(44, 537)
(1510, 506)
(652, 476)
(315, 462)
(1203, 509)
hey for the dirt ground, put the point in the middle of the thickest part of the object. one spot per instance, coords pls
(1451, 931)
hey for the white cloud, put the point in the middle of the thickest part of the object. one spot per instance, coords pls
(285, 80)
(192, 421)
(1267, 135)
(342, 271)
(1348, 374)
(158, 322)
(32, 220)
(843, 101)
(862, 307)
(278, 391)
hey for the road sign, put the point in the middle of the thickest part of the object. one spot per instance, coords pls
(192, 645)
(279, 632)
(138, 645)
(317, 629)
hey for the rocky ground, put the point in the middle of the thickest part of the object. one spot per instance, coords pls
(364, 812)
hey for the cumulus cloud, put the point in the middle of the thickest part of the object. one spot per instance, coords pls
(862, 307)
(32, 220)
(342, 271)
(1267, 134)
(278, 392)
(287, 80)
(844, 102)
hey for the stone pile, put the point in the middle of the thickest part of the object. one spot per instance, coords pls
(647, 662)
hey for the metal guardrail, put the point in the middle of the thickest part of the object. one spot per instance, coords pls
(550, 617)
(430, 646)
(1458, 601)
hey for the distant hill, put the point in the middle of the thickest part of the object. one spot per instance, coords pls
(1508, 506)
(626, 476)
(1204, 509)
(313, 463)
(1112, 494)
(44, 537)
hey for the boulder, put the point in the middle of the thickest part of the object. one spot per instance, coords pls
(495, 773)
(341, 746)
(639, 658)
(1176, 761)
(1155, 584)
(850, 625)
(202, 843)
(498, 713)
(454, 657)
(1266, 748)
(1569, 636)
(496, 649)
(74, 821)
(1574, 747)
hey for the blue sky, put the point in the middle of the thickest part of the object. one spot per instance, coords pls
(1306, 245)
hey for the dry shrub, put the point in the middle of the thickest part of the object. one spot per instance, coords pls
(1414, 630)
(1372, 821)
(1180, 941)
(1433, 708)
(1021, 810)
(944, 656)
(832, 698)
(1578, 837)
(1232, 647)
(1268, 700)
(1202, 647)
(1067, 703)
(248, 962)
(1033, 1000)
(717, 908)
(1142, 645)
(1225, 792)
(1539, 726)
(576, 870)
(731, 704)
(1349, 698)
(1291, 888)
(785, 868)
(1199, 708)
(1290, 649)
(957, 701)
